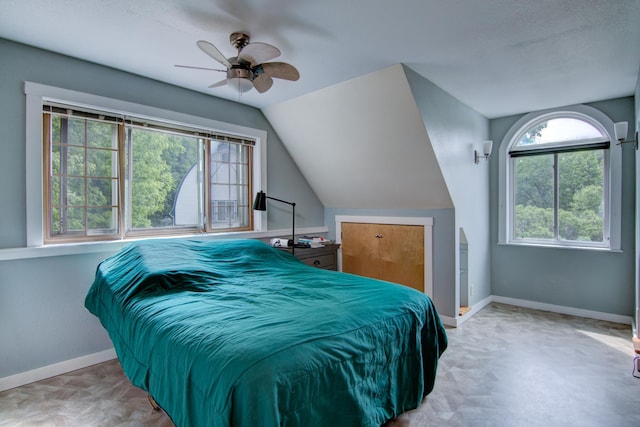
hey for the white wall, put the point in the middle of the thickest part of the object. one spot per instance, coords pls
(362, 144)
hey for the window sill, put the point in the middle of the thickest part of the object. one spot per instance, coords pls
(569, 247)
(116, 245)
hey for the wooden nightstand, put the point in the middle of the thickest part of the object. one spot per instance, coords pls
(325, 257)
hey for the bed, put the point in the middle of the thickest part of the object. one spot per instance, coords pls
(237, 333)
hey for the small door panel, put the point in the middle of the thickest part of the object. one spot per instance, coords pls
(394, 253)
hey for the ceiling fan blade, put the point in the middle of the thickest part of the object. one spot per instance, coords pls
(262, 83)
(213, 52)
(199, 68)
(257, 53)
(218, 84)
(280, 70)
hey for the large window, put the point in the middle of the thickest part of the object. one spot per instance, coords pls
(114, 176)
(557, 183)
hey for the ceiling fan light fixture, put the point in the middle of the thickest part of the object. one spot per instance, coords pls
(241, 84)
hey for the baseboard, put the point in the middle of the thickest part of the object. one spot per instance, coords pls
(459, 320)
(561, 309)
(449, 321)
(598, 315)
(474, 309)
(49, 371)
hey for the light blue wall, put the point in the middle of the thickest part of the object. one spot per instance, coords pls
(454, 130)
(584, 279)
(42, 317)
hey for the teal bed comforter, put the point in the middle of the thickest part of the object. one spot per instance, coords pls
(236, 333)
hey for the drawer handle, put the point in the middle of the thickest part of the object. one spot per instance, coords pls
(379, 236)
(316, 262)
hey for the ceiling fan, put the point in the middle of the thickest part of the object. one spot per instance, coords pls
(249, 68)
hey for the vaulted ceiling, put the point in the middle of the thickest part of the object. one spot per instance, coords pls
(501, 57)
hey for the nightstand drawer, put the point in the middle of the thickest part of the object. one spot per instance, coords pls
(327, 261)
(325, 257)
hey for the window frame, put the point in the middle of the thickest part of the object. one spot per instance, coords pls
(38, 94)
(613, 180)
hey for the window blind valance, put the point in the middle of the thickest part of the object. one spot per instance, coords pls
(66, 110)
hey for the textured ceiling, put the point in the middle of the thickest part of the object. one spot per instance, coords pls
(500, 57)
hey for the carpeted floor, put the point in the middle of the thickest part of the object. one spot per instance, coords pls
(506, 366)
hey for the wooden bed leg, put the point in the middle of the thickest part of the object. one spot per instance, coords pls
(153, 403)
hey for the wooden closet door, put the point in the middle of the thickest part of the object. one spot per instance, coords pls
(401, 254)
(394, 253)
(359, 249)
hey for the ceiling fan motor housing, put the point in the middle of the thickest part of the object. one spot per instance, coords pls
(239, 73)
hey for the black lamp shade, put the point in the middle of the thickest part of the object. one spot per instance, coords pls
(260, 203)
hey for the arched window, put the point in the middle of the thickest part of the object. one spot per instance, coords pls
(560, 180)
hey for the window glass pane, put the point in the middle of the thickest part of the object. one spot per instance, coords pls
(243, 214)
(75, 195)
(220, 173)
(75, 220)
(55, 223)
(220, 192)
(244, 155)
(187, 210)
(229, 189)
(102, 220)
(73, 186)
(235, 153)
(241, 194)
(75, 131)
(220, 151)
(581, 196)
(559, 130)
(75, 160)
(102, 163)
(55, 159)
(101, 135)
(533, 196)
(224, 213)
(102, 192)
(159, 162)
(239, 174)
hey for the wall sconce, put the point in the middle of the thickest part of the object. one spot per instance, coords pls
(621, 129)
(486, 150)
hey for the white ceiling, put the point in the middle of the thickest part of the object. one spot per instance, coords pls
(500, 57)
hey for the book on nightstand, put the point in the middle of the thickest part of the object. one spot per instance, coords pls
(314, 241)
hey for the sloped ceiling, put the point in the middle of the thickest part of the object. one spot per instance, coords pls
(363, 144)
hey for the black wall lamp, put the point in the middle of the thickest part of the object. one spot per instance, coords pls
(260, 204)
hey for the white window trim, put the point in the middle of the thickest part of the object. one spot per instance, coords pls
(615, 179)
(37, 93)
